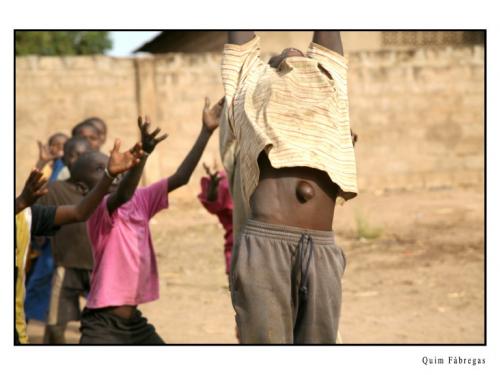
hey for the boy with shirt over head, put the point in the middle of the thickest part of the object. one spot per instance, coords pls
(286, 144)
(125, 273)
(46, 220)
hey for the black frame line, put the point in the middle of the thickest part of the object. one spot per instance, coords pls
(332, 345)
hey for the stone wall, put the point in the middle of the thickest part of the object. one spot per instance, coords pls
(420, 117)
(419, 113)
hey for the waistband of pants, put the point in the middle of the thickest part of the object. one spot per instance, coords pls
(287, 233)
(108, 311)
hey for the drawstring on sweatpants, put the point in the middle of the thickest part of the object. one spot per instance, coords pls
(304, 255)
(305, 251)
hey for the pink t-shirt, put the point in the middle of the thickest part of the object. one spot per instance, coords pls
(125, 270)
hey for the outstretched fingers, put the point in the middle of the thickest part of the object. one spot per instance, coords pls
(207, 168)
(137, 150)
(147, 122)
(116, 146)
(39, 181)
(155, 132)
(149, 140)
(40, 188)
(136, 154)
(34, 176)
(143, 123)
(30, 177)
(35, 187)
(217, 108)
(161, 138)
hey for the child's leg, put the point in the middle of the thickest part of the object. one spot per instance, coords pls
(38, 287)
(319, 312)
(54, 334)
(68, 284)
(261, 288)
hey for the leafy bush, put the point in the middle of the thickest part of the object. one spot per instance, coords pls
(60, 43)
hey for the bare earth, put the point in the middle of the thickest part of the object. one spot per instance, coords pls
(420, 281)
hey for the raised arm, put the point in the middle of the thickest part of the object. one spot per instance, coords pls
(210, 119)
(118, 163)
(240, 37)
(34, 188)
(127, 186)
(330, 40)
(214, 179)
(129, 183)
(44, 155)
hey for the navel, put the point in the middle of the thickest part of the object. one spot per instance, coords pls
(304, 191)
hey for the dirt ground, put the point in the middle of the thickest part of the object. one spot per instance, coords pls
(420, 281)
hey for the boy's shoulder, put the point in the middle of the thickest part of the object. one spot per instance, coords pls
(62, 192)
(63, 185)
(151, 198)
(159, 187)
(143, 204)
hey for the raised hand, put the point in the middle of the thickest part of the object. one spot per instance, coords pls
(44, 155)
(148, 140)
(214, 182)
(214, 176)
(34, 188)
(44, 152)
(211, 116)
(120, 162)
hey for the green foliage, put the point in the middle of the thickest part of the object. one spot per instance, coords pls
(365, 229)
(50, 43)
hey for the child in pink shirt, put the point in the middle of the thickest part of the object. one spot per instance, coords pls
(125, 272)
(216, 198)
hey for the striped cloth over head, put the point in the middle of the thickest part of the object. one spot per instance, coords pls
(297, 114)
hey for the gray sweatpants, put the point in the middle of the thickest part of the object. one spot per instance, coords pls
(286, 285)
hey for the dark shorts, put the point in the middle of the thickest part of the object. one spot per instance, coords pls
(286, 285)
(100, 326)
(68, 285)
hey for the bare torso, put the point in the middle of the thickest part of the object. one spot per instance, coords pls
(125, 311)
(299, 196)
